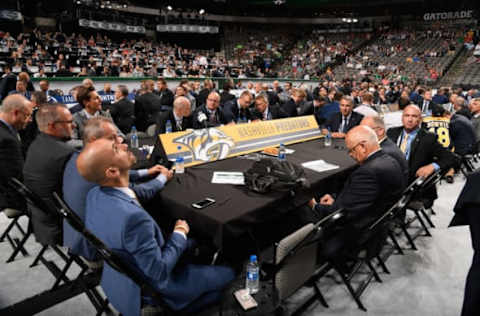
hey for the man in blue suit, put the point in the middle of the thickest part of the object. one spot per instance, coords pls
(75, 187)
(114, 215)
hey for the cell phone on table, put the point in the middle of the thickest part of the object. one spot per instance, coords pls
(203, 203)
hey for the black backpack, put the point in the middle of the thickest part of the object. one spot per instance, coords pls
(271, 174)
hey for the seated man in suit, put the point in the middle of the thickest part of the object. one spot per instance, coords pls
(340, 123)
(238, 110)
(368, 192)
(21, 88)
(426, 104)
(44, 165)
(15, 114)
(75, 187)
(123, 110)
(290, 107)
(92, 107)
(265, 112)
(180, 117)
(209, 114)
(377, 124)
(422, 151)
(467, 213)
(114, 215)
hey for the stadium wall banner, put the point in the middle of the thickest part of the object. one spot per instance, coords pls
(184, 28)
(69, 100)
(111, 26)
(454, 15)
(216, 143)
(10, 15)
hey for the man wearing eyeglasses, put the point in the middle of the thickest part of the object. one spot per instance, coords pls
(209, 114)
(43, 170)
(371, 188)
(15, 114)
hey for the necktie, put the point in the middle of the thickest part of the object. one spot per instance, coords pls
(179, 125)
(212, 117)
(403, 145)
(345, 125)
(425, 106)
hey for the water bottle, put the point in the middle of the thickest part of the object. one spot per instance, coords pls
(252, 281)
(282, 155)
(168, 127)
(179, 162)
(328, 139)
(133, 138)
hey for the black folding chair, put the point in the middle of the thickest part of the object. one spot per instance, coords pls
(18, 245)
(60, 274)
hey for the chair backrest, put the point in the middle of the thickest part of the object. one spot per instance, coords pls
(33, 200)
(296, 255)
(296, 267)
(112, 259)
(151, 130)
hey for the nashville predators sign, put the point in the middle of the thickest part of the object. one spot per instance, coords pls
(216, 143)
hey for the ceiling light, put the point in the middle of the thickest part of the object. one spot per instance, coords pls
(355, 20)
(169, 8)
(202, 11)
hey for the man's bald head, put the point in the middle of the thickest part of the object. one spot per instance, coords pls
(411, 118)
(376, 123)
(361, 141)
(182, 106)
(95, 159)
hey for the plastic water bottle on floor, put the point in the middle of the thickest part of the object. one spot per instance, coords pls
(168, 127)
(282, 153)
(179, 162)
(133, 138)
(252, 281)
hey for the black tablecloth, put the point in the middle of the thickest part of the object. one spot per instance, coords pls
(239, 215)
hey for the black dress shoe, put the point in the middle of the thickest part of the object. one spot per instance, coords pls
(449, 179)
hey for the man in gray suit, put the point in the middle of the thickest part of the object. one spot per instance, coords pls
(390, 148)
(92, 107)
(474, 107)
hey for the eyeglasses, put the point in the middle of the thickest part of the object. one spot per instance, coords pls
(351, 150)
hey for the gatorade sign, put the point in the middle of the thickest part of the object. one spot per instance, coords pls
(456, 15)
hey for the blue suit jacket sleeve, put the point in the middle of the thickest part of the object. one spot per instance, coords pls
(133, 175)
(147, 190)
(156, 261)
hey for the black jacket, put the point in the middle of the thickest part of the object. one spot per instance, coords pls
(43, 174)
(168, 116)
(335, 121)
(11, 165)
(290, 108)
(369, 191)
(424, 150)
(219, 118)
(166, 97)
(233, 113)
(147, 107)
(123, 114)
(274, 112)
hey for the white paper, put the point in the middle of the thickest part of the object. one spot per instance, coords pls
(319, 165)
(289, 151)
(224, 177)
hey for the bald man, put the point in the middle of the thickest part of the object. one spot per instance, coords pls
(377, 124)
(209, 114)
(114, 215)
(373, 187)
(179, 117)
(421, 149)
(15, 114)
